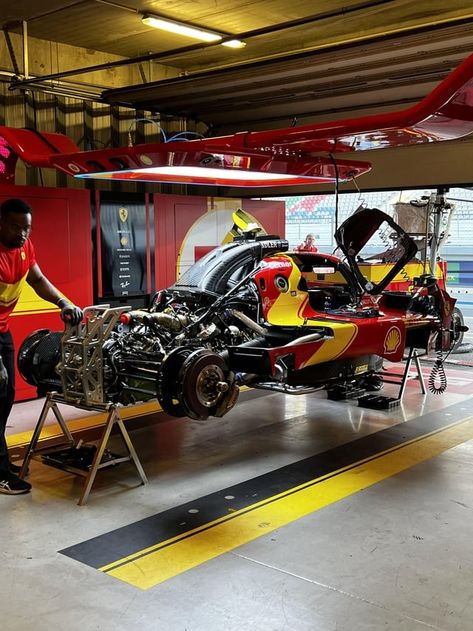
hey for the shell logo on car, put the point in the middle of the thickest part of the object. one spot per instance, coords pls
(392, 340)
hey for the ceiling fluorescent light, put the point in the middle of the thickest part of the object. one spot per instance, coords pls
(201, 176)
(234, 43)
(180, 28)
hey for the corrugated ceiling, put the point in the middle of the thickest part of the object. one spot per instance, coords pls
(303, 59)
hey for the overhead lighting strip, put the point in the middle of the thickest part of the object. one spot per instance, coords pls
(188, 30)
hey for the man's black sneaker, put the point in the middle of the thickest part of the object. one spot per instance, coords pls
(11, 484)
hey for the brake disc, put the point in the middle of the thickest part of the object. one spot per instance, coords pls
(203, 383)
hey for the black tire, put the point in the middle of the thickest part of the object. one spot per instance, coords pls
(167, 387)
(457, 323)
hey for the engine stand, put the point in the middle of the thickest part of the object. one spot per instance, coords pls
(75, 458)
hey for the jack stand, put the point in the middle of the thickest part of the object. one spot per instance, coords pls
(380, 402)
(72, 457)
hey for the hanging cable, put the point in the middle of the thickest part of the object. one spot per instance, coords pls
(337, 181)
(361, 199)
(438, 370)
(147, 120)
(437, 377)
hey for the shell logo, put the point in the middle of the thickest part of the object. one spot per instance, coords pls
(392, 340)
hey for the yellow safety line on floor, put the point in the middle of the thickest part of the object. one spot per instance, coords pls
(89, 422)
(22, 439)
(181, 553)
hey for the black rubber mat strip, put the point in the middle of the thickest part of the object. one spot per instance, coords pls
(127, 540)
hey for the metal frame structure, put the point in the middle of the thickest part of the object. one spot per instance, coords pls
(98, 463)
(81, 365)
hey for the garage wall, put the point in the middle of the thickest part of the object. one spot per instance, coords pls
(448, 162)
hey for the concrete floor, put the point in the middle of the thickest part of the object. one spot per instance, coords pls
(396, 555)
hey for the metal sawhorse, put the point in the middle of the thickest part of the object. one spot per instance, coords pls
(406, 375)
(98, 462)
(382, 402)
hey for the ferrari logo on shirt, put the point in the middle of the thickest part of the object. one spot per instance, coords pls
(23, 256)
(123, 214)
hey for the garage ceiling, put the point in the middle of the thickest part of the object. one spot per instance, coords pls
(304, 60)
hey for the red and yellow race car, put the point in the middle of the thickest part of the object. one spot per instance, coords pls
(250, 313)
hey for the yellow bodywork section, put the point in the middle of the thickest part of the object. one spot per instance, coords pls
(287, 310)
(288, 306)
(344, 334)
(375, 272)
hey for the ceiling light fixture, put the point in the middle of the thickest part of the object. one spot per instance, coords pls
(184, 163)
(188, 30)
(234, 43)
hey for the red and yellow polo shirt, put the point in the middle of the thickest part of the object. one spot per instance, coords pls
(14, 267)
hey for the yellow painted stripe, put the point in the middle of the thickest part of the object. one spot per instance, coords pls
(181, 553)
(89, 422)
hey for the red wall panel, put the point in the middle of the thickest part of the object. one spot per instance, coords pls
(62, 238)
(270, 213)
(173, 217)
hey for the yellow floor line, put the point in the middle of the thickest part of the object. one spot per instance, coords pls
(22, 439)
(89, 422)
(179, 554)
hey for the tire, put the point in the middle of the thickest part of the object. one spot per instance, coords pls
(457, 322)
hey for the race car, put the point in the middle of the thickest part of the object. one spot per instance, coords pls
(251, 313)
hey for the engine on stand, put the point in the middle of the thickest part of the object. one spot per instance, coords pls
(176, 352)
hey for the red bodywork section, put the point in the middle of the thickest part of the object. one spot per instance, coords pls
(376, 326)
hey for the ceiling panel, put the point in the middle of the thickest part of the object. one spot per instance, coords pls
(306, 87)
(116, 27)
(304, 59)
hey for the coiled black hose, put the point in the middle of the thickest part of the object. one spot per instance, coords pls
(437, 377)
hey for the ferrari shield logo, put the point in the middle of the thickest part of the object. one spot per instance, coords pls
(123, 214)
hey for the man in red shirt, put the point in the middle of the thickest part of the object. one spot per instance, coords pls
(17, 267)
(308, 245)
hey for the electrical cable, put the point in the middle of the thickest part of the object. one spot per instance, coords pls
(34, 129)
(438, 371)
(438, 375)
(147, 120)
(337, 182)
(180, 135)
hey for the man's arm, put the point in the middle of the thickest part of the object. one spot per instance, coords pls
(42, 286)
(47, 291)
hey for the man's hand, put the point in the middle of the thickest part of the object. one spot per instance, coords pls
(70, 314)
(3, 379)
